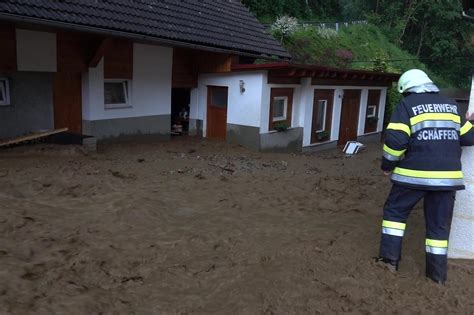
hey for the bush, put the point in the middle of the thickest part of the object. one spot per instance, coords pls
(326, 33)
(284, 26)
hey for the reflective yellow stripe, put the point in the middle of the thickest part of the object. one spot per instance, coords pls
(435, 116)
(392, 151)
(393, 225)
(400, 127)
(436, 243)
(428, 174)
(466, 128)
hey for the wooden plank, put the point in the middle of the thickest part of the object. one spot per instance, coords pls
(8, 48)
(32, 137)
(67, 95)
(99, 53)
(118, 60)
(75, 50)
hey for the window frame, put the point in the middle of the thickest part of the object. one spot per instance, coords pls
(374, 109)
(126, 88)
(285, 109)
(324, 116)
(5, 87)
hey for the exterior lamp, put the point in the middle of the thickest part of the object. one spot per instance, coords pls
(242, 86)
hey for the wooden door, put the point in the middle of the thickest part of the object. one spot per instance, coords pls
(349, 116)
(68, 101)
(216, 112)
(322, 115)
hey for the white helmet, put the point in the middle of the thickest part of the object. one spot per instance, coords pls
(411, 78)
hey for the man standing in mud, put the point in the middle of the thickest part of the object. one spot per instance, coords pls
(422, 153)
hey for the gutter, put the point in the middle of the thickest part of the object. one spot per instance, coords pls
(134, 36)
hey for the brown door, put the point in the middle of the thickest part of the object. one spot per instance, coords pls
(322, 115)
(68, 101)
(216, 112)
(349, 116)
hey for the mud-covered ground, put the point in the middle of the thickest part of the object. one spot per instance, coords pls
(198, 227)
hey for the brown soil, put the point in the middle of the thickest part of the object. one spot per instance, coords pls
(192, 226)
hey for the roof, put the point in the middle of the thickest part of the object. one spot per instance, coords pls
(286, 69)
(223, 24)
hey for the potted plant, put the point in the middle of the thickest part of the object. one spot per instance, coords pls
(372, 120)
(323, 135)
(282, 126)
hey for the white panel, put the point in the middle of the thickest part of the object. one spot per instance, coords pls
(362, 111)
(336, 118)
(461, 241)
(36, 51)
(381, 114)
(306, 119)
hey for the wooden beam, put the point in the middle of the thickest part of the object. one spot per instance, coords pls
(99, 53)
(32, 137)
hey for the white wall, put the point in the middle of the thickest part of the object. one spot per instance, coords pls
(150, 92)
(242, 109)
(36, 51)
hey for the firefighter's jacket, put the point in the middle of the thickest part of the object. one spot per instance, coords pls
(423, 143)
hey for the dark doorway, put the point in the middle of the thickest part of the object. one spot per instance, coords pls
(349, 116)
(180, 100)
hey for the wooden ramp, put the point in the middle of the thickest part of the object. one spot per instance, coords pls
(30, 137)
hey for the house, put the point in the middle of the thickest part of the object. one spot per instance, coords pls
(321, 107)
(118, 68)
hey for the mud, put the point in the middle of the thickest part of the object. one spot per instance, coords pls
(200, 227)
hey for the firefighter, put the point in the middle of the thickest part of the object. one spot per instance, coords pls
(422, 154)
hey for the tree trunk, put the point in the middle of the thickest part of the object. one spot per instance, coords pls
(420, 43)
(409, 15)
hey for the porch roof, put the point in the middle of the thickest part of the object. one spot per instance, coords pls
(285, 70)
(225, 26)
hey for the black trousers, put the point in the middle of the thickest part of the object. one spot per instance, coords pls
(438, 210)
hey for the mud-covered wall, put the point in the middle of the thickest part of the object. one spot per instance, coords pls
(31, 104)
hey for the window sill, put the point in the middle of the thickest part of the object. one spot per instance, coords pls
(107, 107)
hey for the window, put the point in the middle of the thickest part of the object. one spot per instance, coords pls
(279, 108)
(219, 97)
(371, 111)
(4, 92)
(321, 118)
(116, 94)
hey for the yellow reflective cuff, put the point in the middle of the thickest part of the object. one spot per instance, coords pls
(428, 174)
(400, 127)
(466, 128)
(393, 225)
(436, 243)
(435, 116)
(392, 151)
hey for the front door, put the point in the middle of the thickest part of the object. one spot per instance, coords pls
(216, 112)
(322, 115)
(349, 116)
(68, 101)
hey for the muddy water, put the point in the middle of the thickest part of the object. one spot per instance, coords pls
(191, 227)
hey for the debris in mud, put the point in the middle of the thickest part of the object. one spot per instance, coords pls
(122, 176)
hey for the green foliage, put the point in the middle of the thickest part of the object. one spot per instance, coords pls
(432, 31)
